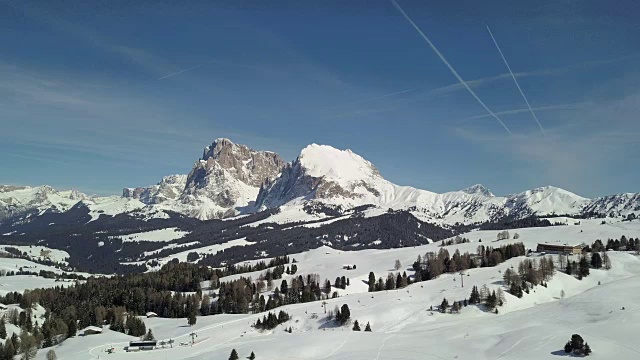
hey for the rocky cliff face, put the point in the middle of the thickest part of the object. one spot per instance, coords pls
(243, 163)
(224, 182)
(169, 188)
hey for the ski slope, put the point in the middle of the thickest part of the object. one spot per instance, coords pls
(533, 327)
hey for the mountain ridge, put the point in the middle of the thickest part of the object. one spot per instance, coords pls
(232, 179)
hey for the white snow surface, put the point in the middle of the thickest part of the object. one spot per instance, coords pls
(167, 234)
(534, 327)
(111, 206)
(41, 252)
(339, 165)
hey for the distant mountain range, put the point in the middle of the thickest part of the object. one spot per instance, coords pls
(232, 179)
(239, 204)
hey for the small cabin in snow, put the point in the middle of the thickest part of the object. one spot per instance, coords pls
(91, 330)
(151, 314)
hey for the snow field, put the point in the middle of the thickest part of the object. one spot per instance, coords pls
(533, 327)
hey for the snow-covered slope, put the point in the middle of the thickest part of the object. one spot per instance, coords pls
(619, 205)
(15, 200)
(602, 308)
(341, 177)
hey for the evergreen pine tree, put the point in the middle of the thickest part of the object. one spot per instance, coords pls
(368, 327)
(234, 355)
(252, 356)
(372, 282)
(577, 343)
(3, 328)
(444, 305)
(72, 328)
(192, 318)
(9, 349)
(567, 347)
(583, 267)
(356, 326)
(587, 349)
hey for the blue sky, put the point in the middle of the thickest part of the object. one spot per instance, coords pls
(99, 96)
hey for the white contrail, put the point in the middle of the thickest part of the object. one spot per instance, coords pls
(180, 72)
(392, 94)
(516, 81)
(455, 73)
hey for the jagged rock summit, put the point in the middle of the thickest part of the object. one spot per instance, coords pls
(224, 182)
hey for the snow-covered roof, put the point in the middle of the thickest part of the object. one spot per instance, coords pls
(92, 328)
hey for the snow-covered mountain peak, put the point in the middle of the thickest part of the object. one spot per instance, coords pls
(338, 165)
(477, 189)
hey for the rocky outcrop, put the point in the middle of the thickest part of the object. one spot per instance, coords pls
(223, 183)
(169, 188)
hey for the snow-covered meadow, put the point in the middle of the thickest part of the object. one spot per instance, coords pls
(533, 327)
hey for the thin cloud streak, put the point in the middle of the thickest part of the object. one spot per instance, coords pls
(540, 108)
(180, 72)
(47, 160)
(543, 72)
(453, 71)
(367, 100)
(516, 81)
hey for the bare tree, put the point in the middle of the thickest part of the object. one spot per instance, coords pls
(562, 260)
(562, 294)
(28, 346)
(397, 265)
(606, 261)
(51, 355)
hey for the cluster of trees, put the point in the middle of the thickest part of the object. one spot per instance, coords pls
(491, 299)
(577, 346)
(270, 321)
(529, 273)
(508, 223)
(581, 268)
(456, 240)
(122, 322)
(340, 283)
(343, 314)
(393, 281)
(356, 327)
(25, 344)
(433, 265)
(246, 268)
(234, 355)
(622, 244)
(243, 296)
(31, 337)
